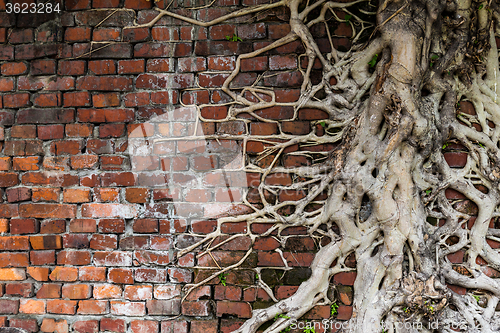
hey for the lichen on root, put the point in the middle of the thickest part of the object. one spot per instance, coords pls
(392, 103)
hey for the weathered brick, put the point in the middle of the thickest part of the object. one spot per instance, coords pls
(127, 308)
(49, 290)
(73, 258)
(50, 132)
(138, 293)
(31, 306)
(107, 291)
(57, 306)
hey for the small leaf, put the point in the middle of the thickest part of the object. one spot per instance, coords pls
(476, 297)
(323, 124)
(480, 7)
(347, 18)
(434, 57)
(228, 37)
(373, 62)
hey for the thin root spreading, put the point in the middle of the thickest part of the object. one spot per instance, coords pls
(379, 179)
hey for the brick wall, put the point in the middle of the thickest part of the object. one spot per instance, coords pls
(101, 184)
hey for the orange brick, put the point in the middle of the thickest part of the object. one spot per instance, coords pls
(76, 195)
(107, 291)
(106, 194)
(52, 325)
(84, 161)
(4, 163)
(46, 242)
(39, 273)
(14, 243)
(4, 226)
(49, 290)
(12, 274)
(92, 307)
(45, 194)
(32, 306)
(67, 274)
(29, 163)
(76, 291)
(79, 130)
(61, 307)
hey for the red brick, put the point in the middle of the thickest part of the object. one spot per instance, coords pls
(66, 147)
(6, 52)
(86, 326)
(30, 163)
(49, 290)
(8, 306)
(204, 326)
(107, 83)
(73, 258)
(23, 226)
(111, 130)
(137, 195)
(13, 68)
(456, 159)
(102, 67)
(23, 131)
(112, 226)
(160, 65)
(86, 161)
(103, 242)
(6, 84)
(144, 326)
(42, 258)
(16, 100)
(79, 130)
(43, 67)
(52, 325)
(135, 34)
(8, 259)
(192, 64)
(80, 98)
(53, 227)
(50, 132)
(105, 115)
(29, 325)
(43, 178)
(114, 325)
(83, 225)
(21, 36)
(134, 66)
(47, 210)
(105, 3)
(77, 34)
(199, 308)
(136, 99)
(106, 34)
(19, 289)
(74, 67)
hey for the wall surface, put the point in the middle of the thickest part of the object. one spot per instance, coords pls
(102, 184)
